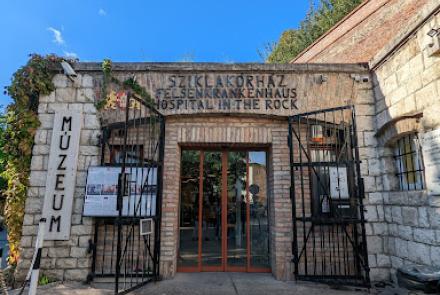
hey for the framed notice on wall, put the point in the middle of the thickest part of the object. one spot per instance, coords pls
(431, 159)
(102, 188)
(338, 183)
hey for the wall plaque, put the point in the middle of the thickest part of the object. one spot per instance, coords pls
(338, 183)
(431, 158)
(61, 174)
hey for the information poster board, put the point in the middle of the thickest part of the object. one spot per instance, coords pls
(431, 159)
(338, 183)
(102, 187)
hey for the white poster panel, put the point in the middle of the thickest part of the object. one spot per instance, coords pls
(338, 183)
(102, 188)
(61, 174)
(431, 158)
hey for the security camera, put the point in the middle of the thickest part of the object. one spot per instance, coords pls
(68, 70)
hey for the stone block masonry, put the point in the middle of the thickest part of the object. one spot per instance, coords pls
(62, 260)
(406, 84)
(70, 260)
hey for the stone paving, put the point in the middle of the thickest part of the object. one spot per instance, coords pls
(208, 283)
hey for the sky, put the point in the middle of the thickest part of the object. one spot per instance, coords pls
(141, 30)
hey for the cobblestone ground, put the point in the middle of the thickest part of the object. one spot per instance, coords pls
(218, 283)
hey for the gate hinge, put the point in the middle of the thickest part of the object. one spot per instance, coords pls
(362, 188)
(92, 247)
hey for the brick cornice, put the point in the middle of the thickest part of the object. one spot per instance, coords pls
(344, 26)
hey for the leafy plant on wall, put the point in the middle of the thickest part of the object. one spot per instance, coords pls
(128, 84)
(20, 125)
(320, 18)
(3, 182)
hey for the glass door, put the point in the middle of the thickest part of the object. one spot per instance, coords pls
(258, 211)
(223, 211)
(211, 225)
(237, 211)
(189, 209)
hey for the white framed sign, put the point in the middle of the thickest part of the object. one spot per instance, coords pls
(61, 174)
(102, 188)
(431, 159)
(338, 183)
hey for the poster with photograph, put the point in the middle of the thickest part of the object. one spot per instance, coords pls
(102, 189)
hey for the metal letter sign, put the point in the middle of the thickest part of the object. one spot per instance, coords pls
(61, 174)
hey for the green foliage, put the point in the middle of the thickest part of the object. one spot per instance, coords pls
(17, 138)
(107, 73)
(132, 84)
(129, 83)
(44, 280)
(318, 21)
(3, 182)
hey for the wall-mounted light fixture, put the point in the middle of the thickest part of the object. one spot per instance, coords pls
(433, 32)
(68, 70)
(360, 78)
(434, 46)
(320, 79)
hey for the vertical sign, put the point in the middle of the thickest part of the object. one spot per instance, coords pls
(61, 174)
(431, 158)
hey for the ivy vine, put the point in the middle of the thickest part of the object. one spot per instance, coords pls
(128, 84)
(21, 123)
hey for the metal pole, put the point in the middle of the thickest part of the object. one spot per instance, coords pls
(159, 197)
(360, 195)
(121, 191)
(36, 265)
(293, 200)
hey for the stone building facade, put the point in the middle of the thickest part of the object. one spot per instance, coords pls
(318, 87)
(392, 81)
(405, 71)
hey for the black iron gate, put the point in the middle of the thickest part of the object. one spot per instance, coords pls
(127, 248)
(327, 190)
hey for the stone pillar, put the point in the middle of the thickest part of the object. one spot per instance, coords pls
(62, 260)
(376, 226)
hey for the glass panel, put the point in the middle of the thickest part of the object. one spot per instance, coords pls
(189, 207)
(236, 216)
(409, 163)
(211, 222)
(259, 223)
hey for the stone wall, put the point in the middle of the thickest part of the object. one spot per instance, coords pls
(319, 86)
(406, 88)
(62, 260)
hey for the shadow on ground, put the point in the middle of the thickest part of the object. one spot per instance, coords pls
(208, 283)
(236, 283)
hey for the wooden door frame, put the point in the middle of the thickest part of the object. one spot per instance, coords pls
(224, 267)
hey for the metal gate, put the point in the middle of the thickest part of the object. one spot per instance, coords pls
(326, 191)
(127, 248)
